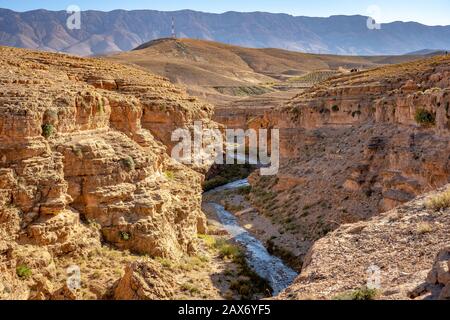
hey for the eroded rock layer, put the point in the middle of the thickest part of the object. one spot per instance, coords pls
(85, 142)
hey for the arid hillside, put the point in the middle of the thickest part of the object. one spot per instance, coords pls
(221, 73)
(122, 30)
(355, 146)
(404, 252)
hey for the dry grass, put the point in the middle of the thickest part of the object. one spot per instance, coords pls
(439, 202)
(424, 227)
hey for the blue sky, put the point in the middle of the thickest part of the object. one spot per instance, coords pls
(431, 12)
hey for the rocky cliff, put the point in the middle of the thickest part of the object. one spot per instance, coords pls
(84, 166)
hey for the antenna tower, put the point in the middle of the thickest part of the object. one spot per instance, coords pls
(174, 35)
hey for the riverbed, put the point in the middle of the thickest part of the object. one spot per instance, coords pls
(267, 266)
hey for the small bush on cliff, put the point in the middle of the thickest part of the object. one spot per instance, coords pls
(192, 289)
(209, 240)
(244, 190)
(439, 202)
(125, 236)
(170, 175)
(228, 250)
(128, 163)
(335, 108)
(47, 130)
(425, 118)
(214, 183)
(363, 293)
(23, 271)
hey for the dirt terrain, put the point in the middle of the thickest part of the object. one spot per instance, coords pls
(221, 73)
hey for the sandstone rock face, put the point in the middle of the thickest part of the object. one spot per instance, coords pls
(85, 141)
(393, 251)
(144, 281)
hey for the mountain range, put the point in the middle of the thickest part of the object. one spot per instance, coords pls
(120, 30)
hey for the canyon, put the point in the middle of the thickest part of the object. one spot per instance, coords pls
(86, 178)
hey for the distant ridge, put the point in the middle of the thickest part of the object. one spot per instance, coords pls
(120, 30)
(428, 52)
(220, 72)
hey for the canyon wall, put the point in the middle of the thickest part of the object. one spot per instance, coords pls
(355, 146)
(84, 161)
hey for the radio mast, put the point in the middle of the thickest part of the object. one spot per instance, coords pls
(174, 35)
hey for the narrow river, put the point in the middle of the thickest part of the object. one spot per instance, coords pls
(268, 267)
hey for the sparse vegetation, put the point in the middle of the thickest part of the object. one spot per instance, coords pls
(244, 190)
(47, 130)
(228, 250)
(101, 106)
(335, 108)
(125, 236)
(170, 175)
(77, 151)
(363, 293)
(190, 288)
(209, 240)
(315, 76)
(425, 117)
(439, 202)
(23, 271)
(166, 263)
(228, 173)
(128, 163)
(424, 227)
(214, 183)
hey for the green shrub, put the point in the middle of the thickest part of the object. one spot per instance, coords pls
(214, 183)
(425, 118)
(363, 293)
(335, 108)
(244, 190)
(23, 271)
(48, 130)
(170, 175)
(125, 236)
(209, 240)
(228, 250)
(128, 163)
(190, 288)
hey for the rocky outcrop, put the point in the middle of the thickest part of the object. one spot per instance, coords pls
(437, 285)
(392, 252)
(145, 281)
(85, 142)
